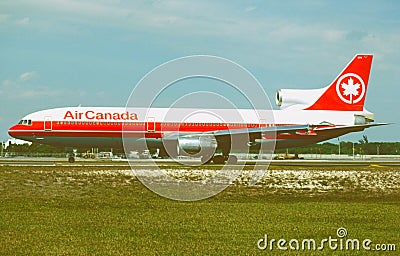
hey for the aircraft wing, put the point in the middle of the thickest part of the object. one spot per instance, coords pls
(290, 129)
(252, 132)
(257, 132)
(349, 128)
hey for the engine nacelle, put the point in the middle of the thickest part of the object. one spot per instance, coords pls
(201, 145)
(302, 98)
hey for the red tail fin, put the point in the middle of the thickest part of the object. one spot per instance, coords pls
(348, 90)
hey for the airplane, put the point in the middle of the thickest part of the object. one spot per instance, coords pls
(305, 117)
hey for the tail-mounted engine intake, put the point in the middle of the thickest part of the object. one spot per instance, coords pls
(302, 98)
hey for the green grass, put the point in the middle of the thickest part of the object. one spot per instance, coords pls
(57, 210)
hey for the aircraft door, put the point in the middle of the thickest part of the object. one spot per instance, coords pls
(151, 124)
(48, 123)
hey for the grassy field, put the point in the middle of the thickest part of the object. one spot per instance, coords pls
(62, 210)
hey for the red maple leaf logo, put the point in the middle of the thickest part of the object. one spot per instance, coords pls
(350, 88)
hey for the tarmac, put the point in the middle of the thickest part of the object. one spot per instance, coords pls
(50, 161)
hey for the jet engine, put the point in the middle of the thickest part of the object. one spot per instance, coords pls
(201, 145)
(301, 98)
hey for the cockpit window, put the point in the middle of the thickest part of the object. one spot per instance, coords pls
(26, 122)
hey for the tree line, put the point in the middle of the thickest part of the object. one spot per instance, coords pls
(362, 147)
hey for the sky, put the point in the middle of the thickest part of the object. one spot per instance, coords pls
(56, 53)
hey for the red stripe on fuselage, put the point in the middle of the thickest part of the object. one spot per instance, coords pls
(130, 129)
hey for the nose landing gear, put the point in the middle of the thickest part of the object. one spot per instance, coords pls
(70, 154)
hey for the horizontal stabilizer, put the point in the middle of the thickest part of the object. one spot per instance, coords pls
(351, 128)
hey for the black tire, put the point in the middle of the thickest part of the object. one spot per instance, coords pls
(218, 159)
(71, 159)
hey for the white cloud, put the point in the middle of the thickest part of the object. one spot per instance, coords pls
(183, 18)
(82, 93)
(4, 18)
(38, 91)
(28, 76)
(101, 94)
(23, 87)
(250, 9)
(23, 21)
(334, 35)
(7, 83)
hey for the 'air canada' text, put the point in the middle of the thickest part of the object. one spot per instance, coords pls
(92, 115)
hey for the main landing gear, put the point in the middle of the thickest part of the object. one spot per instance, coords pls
(221, 159)
(71, 159)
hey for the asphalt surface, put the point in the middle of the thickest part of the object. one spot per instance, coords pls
(169, 162)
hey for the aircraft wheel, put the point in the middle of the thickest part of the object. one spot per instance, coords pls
(71, 159)
(218, 159)
(232, 159)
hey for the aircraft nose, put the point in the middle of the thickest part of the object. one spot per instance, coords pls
(11, 131)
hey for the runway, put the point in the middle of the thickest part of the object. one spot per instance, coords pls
(25, 161)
